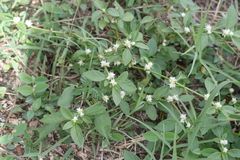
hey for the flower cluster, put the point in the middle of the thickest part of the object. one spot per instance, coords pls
(172, 98)
(234, 100)
(104, 63)
(105, 98)
(217, 105)
(110, 76)
(87, 51)
(183, 14)
(115, 47)
(18, 19)
(108, 50)
(208, 28)
(206, 96)
(186, 29)
(223, 143)
(122, 93)
(81, 63)
(183, 119)
(227, 32)
(148, 66)
(80, 112)
(128, 43)
(149, 98)
(164, 42)
(172, 82)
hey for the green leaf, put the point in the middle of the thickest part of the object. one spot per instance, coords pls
(37, 104)
(122, 78)
(48, 6)
(96, 15)
(209, 84)
(66, 113)
(103, 124)
(146, 19)
(25, 90)
(141, 45)
(66, 98)
(127, 86)
(120, 24)
(116, 95)
(102, 23)
(40, 87)
(161, 92)
(25, 78)
(67, 125)
(152, 44)
(22, 27)
(40, 80)
(77, 136)
(234, 153)
(94, 75)
(186, 98)
(150, 136)
(94, 109)
(57, 10)
(166, 125)
(99, 4)
(151, 112)
(236, 41)
(56, 117)
(124, 107)
(113, 12)
(126, 56)
(30, 115)
(86, 119)
(116, 137)
(2, 91)
(5, 139)
(46, 129)
(232, 17)
(208, 151)
(127, 17)
(130, 156)
(169, 136)
(20, 129)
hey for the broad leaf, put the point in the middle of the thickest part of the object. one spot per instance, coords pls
(116, 95)
(25, 90)
(128, 86)
(126, 56)
(77, 136)
(65, 99)
(94, 109)
(53, 118)
(25, 78)
(94, 75)
(37, 104)
(103, 124)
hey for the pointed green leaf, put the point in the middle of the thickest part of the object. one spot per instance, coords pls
(126, 56)
(65, 99)
(77, 136)
(37, 104)
(94, 75)
(25, 78)
(25, 90)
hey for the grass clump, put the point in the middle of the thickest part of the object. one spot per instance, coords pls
(152, 75)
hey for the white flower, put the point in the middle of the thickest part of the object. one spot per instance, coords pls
(70, 65)
(80, 112)
(148, 66)
(113, 82)
(128, 43)
(206, 96)
(139, 88)
(149, 98)
(175, 97)
(183, 118)
(113, 21)
(108, 50)
(234, 100)
(208, 28)
(105, 98)
(28, 23)
(115, 47)
(217, 105)
(173, 82)
(81, 63)
(134, 62)
(74, 119)
(87, 51)
(117, 63)
(188, 124)
(183, 14)
(16, 19)
(100, 56)
(231, 90)
(110, 75)
(227, 32)
(170, 99)
(223, 142)
(186, 29)
(104, 63)
(133, 43)
(122, 93)
(224, 150)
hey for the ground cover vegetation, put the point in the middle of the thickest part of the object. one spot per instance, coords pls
(134, 79)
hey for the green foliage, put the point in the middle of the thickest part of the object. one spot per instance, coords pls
(96, 78)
